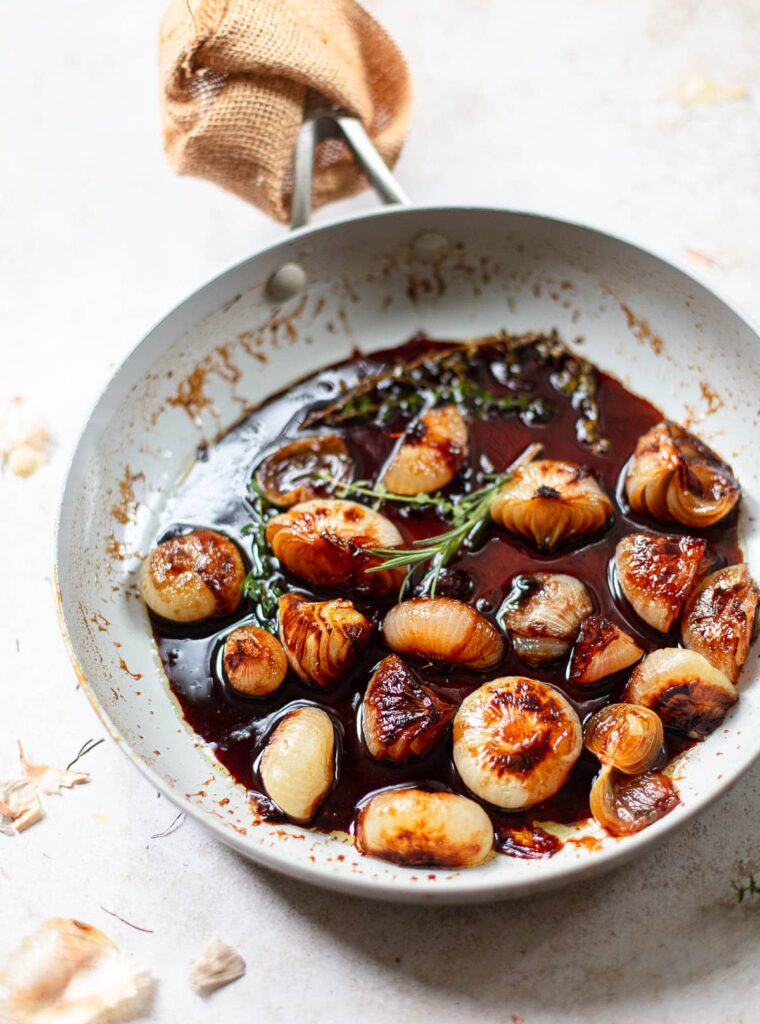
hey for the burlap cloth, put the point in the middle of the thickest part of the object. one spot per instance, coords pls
(236, 78)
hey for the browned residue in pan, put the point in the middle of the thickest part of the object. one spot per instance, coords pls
(713, 401)
(115, 548)
(125, 509)
(124, 668)
(641, 330)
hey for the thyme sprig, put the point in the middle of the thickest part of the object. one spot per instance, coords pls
(261, 584)
(468, 516)
(745, 887)
(379, 493)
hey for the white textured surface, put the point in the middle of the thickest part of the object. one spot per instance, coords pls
(568, 109)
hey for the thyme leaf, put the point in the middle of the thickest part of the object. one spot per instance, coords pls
(745, 887)
(261, 585)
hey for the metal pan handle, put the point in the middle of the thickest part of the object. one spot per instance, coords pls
(327, 124)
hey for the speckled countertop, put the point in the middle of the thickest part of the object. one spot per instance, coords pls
(592, 111)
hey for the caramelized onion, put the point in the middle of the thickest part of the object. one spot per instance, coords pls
(322, 639)
(291, 474)
(624, 804)
(254, 661)
(298, 764)
(720, 619)
(602, 648)
(628, 737)
(516, 741)
(550, 502)
(442, 629)
(416, 827)
(432, 453)
(401, 717)
(674, 476)
(327, 543)
(656, 574)
(687, 692)
(193, 576)
(542, 615)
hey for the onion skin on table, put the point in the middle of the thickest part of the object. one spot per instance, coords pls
(675, 477)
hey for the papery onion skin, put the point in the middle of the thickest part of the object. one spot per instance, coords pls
(443, 629)
(326, 542)
(401, 717)
(193, 576)
(626, 804)
(629, 737)
(720, 619)
(688, 693)
(601, 649)
(675, 477)
(418, 828)
(290, 475)
(516, 741)
(254, 661)
(297, 767)
(549, 502)
(542, 615)
(656, 574)
(431, 454)
(322, 639)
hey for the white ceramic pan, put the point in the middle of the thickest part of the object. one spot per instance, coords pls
(368, 282)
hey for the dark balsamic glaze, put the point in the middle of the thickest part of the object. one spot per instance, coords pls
(216, 495)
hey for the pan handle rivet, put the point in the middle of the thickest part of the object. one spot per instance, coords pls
(286, 282)
(429, 246)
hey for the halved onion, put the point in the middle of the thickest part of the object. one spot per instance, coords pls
(656, 574)
(431, 454)
(326, 542)
(687, 692)
(442, 629)
(550, 502)
(401, 717)
(193, 577)
(542, 614)
(628, 737)
(516, 741)
(292, 473)
(674, 476)
(416, 827)
(298, 764)
(720, 619)
(602, 648)
(322, 639)
(624, 804)
(254, 661)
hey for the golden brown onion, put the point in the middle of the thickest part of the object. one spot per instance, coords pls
(624, 804)
(674, 476)
(685, 690)
(542, 615)
(628, 737)
(656, 574)
(415, 827)
(432, 453)
(193, 576)
(602, 648)
(442, 629)
(549, 502)
(322, 639)
(254, 661)
(516, 741)
(291, 474)
(401, 717)
(326, 542)
(298, 764)
(720, 618)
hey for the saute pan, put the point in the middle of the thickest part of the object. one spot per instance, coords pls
(306, 302)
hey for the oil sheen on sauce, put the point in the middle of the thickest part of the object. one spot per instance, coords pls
(216, 495)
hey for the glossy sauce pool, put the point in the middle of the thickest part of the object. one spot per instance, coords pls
(216, 494)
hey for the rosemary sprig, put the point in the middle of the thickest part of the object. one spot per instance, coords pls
(469, 516)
